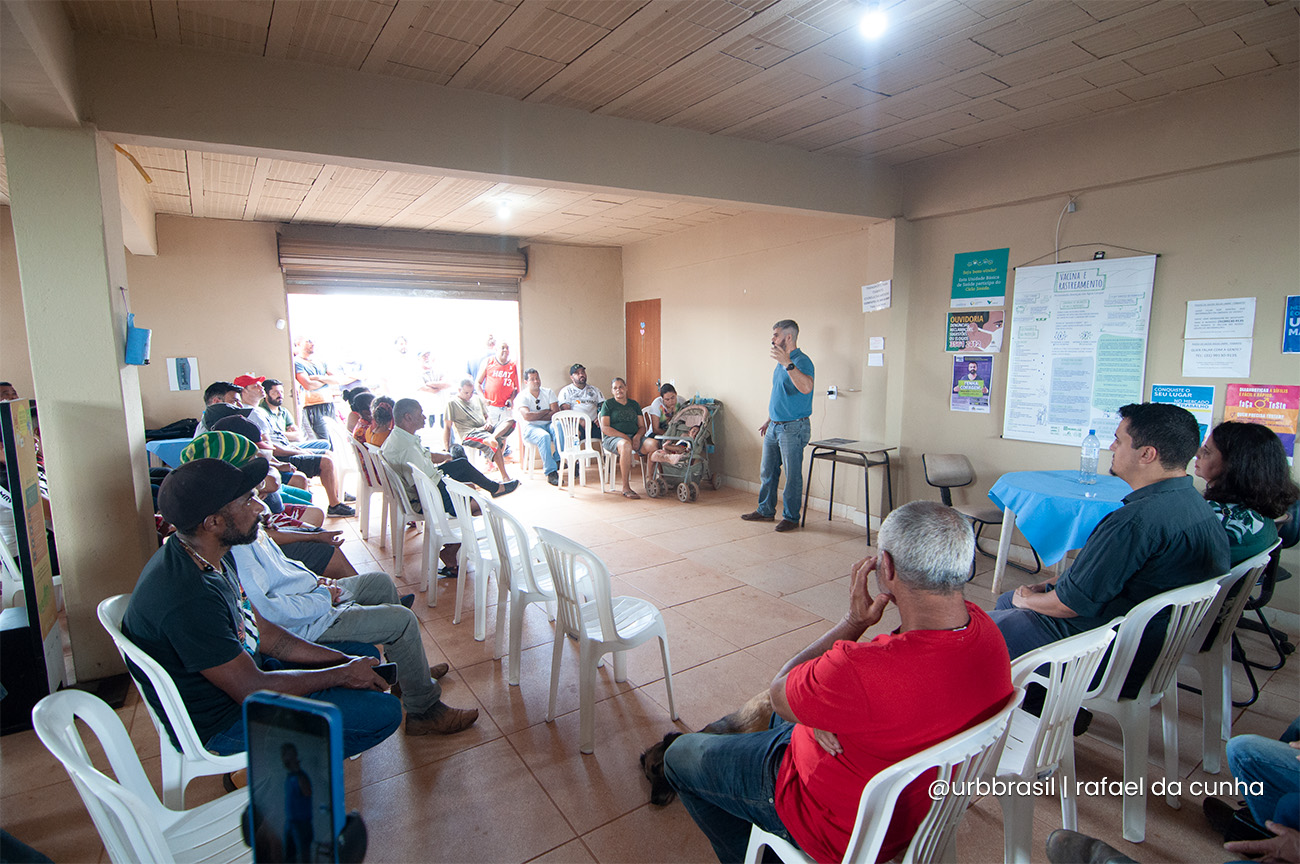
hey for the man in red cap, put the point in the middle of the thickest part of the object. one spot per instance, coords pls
(312, 463)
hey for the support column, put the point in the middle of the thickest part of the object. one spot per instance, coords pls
(68, 233)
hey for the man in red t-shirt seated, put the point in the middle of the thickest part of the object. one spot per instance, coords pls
(844, 710)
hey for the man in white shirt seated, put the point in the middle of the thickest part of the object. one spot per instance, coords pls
(403, 446)
(535, 405)
(351, 615)
(580, 397)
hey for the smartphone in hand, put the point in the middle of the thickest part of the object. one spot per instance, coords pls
(295, 777)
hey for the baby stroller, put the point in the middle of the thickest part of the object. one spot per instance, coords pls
(687, 432)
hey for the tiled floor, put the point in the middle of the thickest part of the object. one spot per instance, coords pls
(738, 599)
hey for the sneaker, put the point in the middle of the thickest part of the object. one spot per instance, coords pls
(553, 478)
(1071, 846)
(786, 525)
(407, 600)
(341, 509)
(441, 720)
(505, 488)
(758, 517)
(348, 498)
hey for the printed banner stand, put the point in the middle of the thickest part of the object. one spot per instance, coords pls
(31, 640)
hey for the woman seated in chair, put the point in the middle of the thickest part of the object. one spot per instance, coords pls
(1247, 482)
(365, 421)
(622, 432)
(381, 412)
(663, 409)
(354, 414)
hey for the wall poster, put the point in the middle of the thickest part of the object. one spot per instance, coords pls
(1078, 348)
(971, 374)
(1276, 406)
(976, 331)
(980, 278)
(1196, 399)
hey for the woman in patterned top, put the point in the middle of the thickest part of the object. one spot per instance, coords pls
(1247, 482)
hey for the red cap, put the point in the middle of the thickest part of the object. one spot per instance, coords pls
(248, 380)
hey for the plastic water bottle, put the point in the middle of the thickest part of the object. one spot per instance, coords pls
(1088, 454)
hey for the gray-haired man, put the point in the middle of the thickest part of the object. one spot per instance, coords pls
(844, 710)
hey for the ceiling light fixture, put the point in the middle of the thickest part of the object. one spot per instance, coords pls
(873, 23)
(503, 211)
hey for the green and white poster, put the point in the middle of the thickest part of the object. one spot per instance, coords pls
(980, 278)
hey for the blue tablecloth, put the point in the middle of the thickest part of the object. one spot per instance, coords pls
(1052, 509)
(169, 451)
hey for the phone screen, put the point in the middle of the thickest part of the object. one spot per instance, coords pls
(294, 777)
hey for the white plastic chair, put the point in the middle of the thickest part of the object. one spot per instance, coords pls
(400, 513)
(192, 760)
(339, 432)
(438, 530)
(132, 822)
(602, 625)
(961, 760)
(367, 486)
(479, 551)
(1209, 654)
(1187, 606)
(1039, 745)
(577, 448)
(374, 464)
(525, 575)
(529, 455)
(611, 470)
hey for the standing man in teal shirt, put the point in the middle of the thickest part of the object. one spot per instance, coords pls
(786, 430)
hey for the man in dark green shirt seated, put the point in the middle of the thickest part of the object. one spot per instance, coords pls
(1164, 537)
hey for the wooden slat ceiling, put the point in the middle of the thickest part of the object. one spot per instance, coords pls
(948, 74)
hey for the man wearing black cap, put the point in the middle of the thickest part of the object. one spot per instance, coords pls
(189, 614)
(217, 393)
(581, 398)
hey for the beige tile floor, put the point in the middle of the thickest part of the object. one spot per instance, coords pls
(738, 600)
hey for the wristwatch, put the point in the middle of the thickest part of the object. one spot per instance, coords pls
(790, 365)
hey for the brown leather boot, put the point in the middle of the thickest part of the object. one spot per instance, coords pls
(441, 720)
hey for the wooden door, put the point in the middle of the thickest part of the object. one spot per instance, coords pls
(642, 325)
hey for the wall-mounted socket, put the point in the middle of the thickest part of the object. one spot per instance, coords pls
(832, 392)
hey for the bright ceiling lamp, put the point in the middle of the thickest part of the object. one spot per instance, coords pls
(873, 23)
(503, 210)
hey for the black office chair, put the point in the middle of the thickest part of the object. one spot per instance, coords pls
(947, 471)
(1288, 530)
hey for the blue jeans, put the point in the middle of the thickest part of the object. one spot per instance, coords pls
(783, 445)
(728, 782)
(544, 439)
(1254, 758)
(317, 444)
(368, 718)
(1023, 629)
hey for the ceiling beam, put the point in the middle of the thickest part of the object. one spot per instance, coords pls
(178, 96)
(38, 81)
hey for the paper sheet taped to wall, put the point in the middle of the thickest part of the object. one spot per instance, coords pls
(1078, 348)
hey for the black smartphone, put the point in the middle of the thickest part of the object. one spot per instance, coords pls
(295, 777)
(387, 671)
